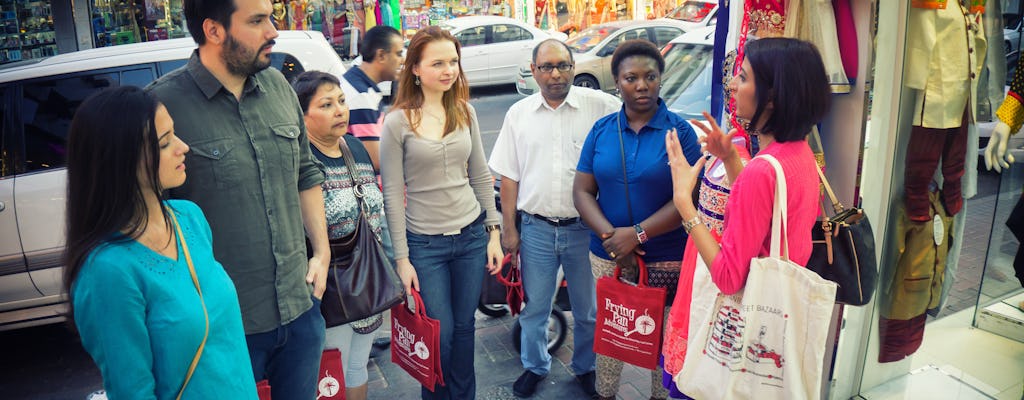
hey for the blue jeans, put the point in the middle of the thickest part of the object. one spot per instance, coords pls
(542, 249)
(289, 356)
(449, 268)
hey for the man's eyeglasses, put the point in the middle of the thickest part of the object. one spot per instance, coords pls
(547, 68)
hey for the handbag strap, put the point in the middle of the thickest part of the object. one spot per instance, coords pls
(625, 177)
(206, 316)
(641, 280)
(421, 309)
(836, 205)
(779, 248)
(350, 163)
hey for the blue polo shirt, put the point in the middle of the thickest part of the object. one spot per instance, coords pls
(650, 180)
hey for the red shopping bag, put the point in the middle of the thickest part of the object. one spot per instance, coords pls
(332, 380)
(415, 343)
(629, 319)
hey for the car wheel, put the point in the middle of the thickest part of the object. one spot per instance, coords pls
(493, 310)
(586, 81)
(558, 328)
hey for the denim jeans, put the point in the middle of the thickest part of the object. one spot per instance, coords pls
(542, 249)
(289, 356)
(449, 269)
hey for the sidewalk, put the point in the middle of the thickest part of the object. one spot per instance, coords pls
(498, 366)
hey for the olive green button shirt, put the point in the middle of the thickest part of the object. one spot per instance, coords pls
(249, 160)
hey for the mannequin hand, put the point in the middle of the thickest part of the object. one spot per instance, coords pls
(996, 155)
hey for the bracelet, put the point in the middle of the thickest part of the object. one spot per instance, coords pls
(690, 224)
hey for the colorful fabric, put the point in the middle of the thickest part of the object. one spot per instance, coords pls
(1011, 112)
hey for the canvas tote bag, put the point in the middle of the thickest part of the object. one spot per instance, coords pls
(766, 341)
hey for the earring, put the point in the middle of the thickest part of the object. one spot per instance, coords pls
(417, 81)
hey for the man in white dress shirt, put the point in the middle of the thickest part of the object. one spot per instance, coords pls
(536, 155)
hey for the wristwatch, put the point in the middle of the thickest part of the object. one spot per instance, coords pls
(641, 234)
(491, 228)
(689, 225)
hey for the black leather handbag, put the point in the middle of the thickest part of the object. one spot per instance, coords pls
(361, 280)
(844, 251)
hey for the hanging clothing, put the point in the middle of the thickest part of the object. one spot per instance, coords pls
(815, 22)
(916, 285)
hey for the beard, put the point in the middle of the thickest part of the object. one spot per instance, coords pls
(242, 61)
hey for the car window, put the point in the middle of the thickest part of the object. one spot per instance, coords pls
(473, 36)
(664, 34)
(590, 37)
(47, 107)
(639, 33)
(509, 33)
(686, 83)
(168, 66)
(287, 64)
(137, 77)
(7, 152)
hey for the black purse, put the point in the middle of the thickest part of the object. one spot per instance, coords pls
(361, 280)
(844, 251)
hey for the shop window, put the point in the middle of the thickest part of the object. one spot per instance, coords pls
(663, 35)
(26, 30)
(47, 107)
(509, 33)
(473, 36)
(137, 77)
(287, 64)
(117, 22)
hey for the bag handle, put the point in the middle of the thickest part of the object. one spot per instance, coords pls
(206, 316)
(641, 266)
(509, 279)
(350, 163)
(421, 309)
(779, 248)
(836, 205)
(625, 177)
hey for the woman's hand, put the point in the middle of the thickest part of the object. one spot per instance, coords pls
(621, 243)
(684, 176)
(494, 253)
(716, 142)
(407, 274)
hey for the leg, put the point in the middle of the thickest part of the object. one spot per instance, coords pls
(658, 390)
(609, 370)
(467, 274)
(261, 346)
(954, 156)
(355, 367)
(293, 371)
(539, 267)
(582, 296)
(923, 151)
(430, 255)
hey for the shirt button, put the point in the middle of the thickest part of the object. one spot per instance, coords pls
(270, 212)
(972, 75)
(216, 152)
(969, 51)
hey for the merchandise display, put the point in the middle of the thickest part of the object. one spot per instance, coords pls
(27, 30)
(117, 22)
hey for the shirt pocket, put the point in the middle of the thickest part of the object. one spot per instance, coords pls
(286, 137)
(215, 162)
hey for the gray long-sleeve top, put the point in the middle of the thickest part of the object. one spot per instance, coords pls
(432, 187)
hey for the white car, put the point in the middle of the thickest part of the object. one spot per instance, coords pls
(686, 83)
(493, 47)
(593, 47)
(697, 13)
(39, 98)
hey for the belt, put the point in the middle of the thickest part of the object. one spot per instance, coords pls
(555, 221)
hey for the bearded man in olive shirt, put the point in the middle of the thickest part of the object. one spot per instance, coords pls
(251, 172)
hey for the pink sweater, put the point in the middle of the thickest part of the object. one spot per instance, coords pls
(748, 213)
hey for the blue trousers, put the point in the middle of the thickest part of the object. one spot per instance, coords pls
(543, 248)
(289, 356)
(449, 269)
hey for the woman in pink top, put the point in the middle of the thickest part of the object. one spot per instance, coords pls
(783, 91)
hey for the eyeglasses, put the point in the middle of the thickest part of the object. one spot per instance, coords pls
(547, 68)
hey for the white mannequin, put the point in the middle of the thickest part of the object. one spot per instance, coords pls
(996, 155)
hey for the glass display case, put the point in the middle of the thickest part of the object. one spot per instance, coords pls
(117, 22)
(27, 30)
(1001, 297)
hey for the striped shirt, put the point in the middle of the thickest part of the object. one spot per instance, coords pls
(363, 98)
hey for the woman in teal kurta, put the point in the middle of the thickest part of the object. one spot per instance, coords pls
(135, 303)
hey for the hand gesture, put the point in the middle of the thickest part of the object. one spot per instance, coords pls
(684, 176)
(716, 142)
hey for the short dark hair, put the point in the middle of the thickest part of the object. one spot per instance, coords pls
(377, 38)
(536, 49)
(636, 48)
(307, 83)
(789, 73)
(197, 11)
(104, 196)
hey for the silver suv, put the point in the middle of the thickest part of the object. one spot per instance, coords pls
(37, 100)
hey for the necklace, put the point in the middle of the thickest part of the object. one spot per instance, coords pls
(439, 120)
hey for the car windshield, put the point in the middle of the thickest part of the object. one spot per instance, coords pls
(586, 40)
(686, 83)
(692, 11)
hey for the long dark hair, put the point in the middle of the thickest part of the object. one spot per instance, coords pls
(788, 73)
(410, 96)
(105, 156)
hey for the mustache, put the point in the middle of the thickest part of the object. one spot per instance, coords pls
(268, 44)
